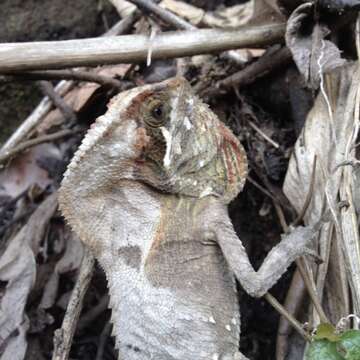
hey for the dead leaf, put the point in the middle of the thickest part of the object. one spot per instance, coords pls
(186, 11)
(24, 171)
(312, 54)
(227, 17)
(328, 134)
(18, 270)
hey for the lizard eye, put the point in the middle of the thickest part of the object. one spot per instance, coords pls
(157, 114)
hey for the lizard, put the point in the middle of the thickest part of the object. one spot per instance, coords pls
(147, 192)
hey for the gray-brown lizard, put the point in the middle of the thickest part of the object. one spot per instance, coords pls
(147, 192)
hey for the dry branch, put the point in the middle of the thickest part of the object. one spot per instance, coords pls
(49, 91)
(132, 48)
(79, 75)
(164, 14)
(63, 337)
(6, 155)
(266, 64)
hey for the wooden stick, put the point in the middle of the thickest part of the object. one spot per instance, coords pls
(6, 155)
(132, 48)
(294, 323)
(164, 14)
(63, 337)
(102, 341)
(66, 110)
(267, 63)
(79, 75)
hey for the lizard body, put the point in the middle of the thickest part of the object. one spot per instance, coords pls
(147, 192)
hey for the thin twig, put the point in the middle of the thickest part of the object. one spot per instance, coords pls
(164, 14)
(297, 326)
(310, 286)
(132, 48)
(62, 75)
(261, 188)
(308, 195)
(281, 217)
(34, 118)
(267, 138)
(63, 336)
(93, 313)
(102, 341)
(48, 90)
(293, 304)
(6, 155)
(124, 25)
(305, 276)
(266, 64)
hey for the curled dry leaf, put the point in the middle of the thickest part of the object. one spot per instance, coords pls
(189, 12)
(225, 17)
(312, 54)
(18, 270)
(24, 170)
(330, 134)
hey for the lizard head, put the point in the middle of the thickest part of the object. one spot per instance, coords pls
(165, 137)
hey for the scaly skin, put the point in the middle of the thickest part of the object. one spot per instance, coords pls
(147, 192)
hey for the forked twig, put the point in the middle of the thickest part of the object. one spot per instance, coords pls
(66, 110)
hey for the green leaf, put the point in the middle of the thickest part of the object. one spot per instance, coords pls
(323, 350)
(326, 331)
(349, 344)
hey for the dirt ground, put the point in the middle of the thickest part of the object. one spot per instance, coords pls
(33, 20)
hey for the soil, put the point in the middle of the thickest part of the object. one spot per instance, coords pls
(30, 20)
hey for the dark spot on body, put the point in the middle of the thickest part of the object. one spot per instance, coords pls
(131, 255)
(133, 347)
